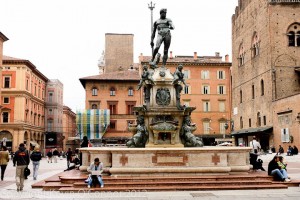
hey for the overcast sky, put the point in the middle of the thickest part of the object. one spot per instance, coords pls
(65, 38)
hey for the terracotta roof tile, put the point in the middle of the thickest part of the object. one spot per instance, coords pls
(11, 58)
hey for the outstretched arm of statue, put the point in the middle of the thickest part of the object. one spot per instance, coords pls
(172, 27)
(153, 34)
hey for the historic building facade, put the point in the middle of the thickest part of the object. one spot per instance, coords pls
(117, 92)
(54, 114)
(23, 101)
(265, 72)
(69, 128)
(208, 89)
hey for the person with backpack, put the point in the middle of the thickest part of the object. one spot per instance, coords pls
(21, 159)
(35, 157)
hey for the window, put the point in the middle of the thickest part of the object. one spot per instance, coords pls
(253, 94)
(221, 75)
(35, 90)
(112, 91)
(50, 112)
(6, 82)
(241, 96)
(49, 125)
(262, 87)
(250, 123)
(50, 96)
(221, 89)
(130, 105)
(294, 35)
(255, 45)
(6, 100)
(112, 125)
(222, 128)
(94, 106)
(241, 55)
(186, 74)
(27, 84)
(222, 106)
(206, 127)
(5, 117)
(204, 74)
(241, 123)
(205, 89)
(130, 91)
(285, 135)
(258, 119)
(206, 106)
(186, 89)
(112, 107)
(265, 120)
(94, 92)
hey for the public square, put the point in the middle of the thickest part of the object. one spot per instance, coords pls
(8, 187)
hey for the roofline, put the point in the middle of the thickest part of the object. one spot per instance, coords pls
(27, 63)
(229, 64)
(3, 37)
(84, 80)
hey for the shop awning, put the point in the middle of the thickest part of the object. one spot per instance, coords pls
(252, 131)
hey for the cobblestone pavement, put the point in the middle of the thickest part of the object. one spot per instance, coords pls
(8, 187)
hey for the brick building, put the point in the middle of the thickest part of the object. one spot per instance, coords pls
(69, 129)
(117, 92)
(265, 72)
(209, 90)
(23, 100)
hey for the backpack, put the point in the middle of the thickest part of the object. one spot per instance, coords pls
(36, 156)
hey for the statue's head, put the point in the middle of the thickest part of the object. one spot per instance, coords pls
(180, 67)
(163, 10)
(140, 119)
(145, 67)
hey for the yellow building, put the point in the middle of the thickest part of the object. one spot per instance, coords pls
(23, 100)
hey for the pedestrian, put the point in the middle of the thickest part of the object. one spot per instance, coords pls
(290, 151)
(4, 159)
(280, 150)
(295, 150)
(85, 143)
(55, 155)
(69, 157)
(49, 156)
(255, 145)
(21, 159)
(35, 157)
(276, 171)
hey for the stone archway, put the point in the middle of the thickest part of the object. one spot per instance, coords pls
(26, 138)
(6, 139)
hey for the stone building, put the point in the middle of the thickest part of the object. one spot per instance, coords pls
(265, 72)
(23, 99)
(54, 114)
(208, 89)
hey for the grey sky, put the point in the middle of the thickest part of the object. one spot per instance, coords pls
(65, 38)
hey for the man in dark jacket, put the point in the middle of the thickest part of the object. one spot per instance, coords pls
(275, 170)
(22, 160)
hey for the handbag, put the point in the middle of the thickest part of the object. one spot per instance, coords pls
(26, 171)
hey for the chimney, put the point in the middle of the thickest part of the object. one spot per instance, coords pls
(195, 56)
(171, 54)
(226, 58)
(217, 54)
(141, 57)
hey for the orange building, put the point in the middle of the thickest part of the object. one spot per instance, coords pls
(209, 90)
(117, 92)
(23, 99)
(69, 128)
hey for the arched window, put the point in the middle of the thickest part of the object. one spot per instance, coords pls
(94, 106)
(130, 91)
(262, 87)
(255, 45)
(241, 55)
(112, 91)
(293, 34)
(94, 91)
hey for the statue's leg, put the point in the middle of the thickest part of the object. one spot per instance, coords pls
(157, 46)
(167, 43)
